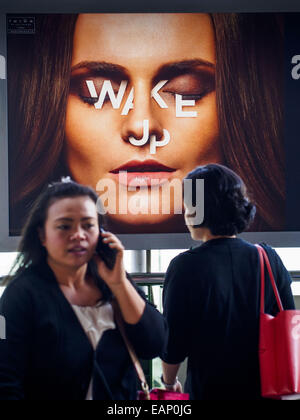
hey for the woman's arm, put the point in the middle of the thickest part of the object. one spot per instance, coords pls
(177, 311)
(169, 377)
(130, 302)
(170, 373)
(149, 335)
(144, 324)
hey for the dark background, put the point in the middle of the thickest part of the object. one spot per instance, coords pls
(53, 6)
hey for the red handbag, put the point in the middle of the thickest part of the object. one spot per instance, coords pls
(279, 344)
(162, 394)
(145, 394)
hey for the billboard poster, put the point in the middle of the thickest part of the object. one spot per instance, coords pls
(130, 103)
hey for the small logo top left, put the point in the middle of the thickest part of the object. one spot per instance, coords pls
(20, 25)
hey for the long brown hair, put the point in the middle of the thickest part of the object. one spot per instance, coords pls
(249, 79)
(38, 82)
(249, 88)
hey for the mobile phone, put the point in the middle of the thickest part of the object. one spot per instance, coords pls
(104, 251)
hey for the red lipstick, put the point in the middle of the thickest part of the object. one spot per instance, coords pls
(145, 173)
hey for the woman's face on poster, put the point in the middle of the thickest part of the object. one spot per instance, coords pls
(142, 102)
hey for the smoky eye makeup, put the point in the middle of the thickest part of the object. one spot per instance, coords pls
(79, 87)
(193, 85)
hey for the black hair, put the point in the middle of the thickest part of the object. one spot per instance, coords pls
(30, 250)
(249, 81)
(227, 208)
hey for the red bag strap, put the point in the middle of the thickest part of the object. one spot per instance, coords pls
(264, 260)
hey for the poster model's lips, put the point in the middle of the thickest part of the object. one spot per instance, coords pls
(142, 173)
(148, 165)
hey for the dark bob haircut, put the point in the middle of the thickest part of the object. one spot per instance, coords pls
(227, 209)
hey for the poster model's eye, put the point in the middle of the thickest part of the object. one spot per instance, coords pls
(79, 88)
(191, 86)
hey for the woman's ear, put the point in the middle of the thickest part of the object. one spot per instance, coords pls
(41, 234)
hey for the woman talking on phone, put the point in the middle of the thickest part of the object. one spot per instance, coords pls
(62, 342)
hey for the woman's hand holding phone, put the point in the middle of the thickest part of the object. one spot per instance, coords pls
(113, 274)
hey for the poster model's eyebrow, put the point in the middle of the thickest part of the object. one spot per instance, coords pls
(100, 67)
(166, 71)
(172, 69)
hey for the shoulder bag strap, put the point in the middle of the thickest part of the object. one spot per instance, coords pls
(133, 356)
(264, 260)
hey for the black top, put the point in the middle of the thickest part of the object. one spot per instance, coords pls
(211, 302)
(47, 355)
